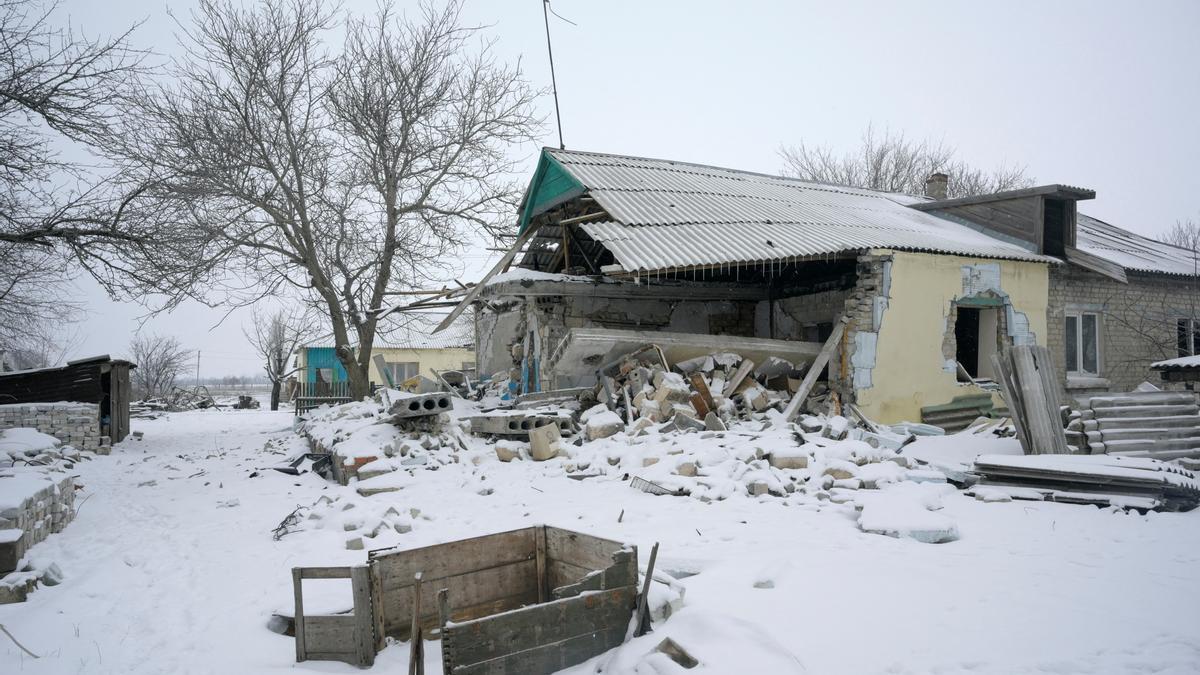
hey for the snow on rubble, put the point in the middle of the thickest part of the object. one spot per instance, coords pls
(187, 538)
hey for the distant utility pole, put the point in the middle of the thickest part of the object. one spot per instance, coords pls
(553, 82)
(197, 367)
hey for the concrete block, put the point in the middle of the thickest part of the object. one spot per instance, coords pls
(544, 442)
(789, 461)
(421, 405)
(506, 454)
(686, 469)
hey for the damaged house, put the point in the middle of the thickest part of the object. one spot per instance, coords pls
(615, 252)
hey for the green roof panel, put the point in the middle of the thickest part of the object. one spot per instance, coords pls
(551, 186)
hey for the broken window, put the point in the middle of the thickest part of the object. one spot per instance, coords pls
(1187, 336)
(403, 370)
(976, 338)
(1082, 340)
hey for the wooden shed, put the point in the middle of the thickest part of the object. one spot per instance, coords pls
(98, 379)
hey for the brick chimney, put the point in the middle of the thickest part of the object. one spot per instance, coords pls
(937, 185)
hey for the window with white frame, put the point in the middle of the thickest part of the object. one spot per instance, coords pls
(1187, 336)
(1082, 333)
(403, 370)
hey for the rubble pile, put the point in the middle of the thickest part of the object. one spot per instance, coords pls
(370, 440)
(360, 523)
(707, 392)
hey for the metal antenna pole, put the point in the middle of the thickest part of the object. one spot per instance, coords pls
(553, 82)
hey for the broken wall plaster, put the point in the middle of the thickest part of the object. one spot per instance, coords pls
(907, 372)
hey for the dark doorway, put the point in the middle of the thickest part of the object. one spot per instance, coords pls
(966, 336)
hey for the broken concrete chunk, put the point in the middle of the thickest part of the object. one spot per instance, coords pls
(686, 469)
(506, 453)
(789, 461)
(677, 653)
(544, 442)
(772, 367)
(603, 425)
(841, 469)
(758, 488)
(713, 423)
(685, 422)
(354, 544)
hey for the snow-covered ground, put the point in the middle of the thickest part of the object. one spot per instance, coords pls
(170, 567)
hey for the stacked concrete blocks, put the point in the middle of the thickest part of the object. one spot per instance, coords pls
(76, 424)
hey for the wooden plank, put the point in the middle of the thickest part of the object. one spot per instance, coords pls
(377, 607)
(814, 371)
(584, 550)
(701, 388)
(472, 594)
(540, 543)
(364, 616)
(331, 635)
(298, 617)
(324, 572)
(735, 380)
(541, 625)
(560, 573)
(477, 288)
(456, 557)
(548, 658)
(416, 650)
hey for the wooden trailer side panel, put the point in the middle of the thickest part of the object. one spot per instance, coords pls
(542, 638)
(485, 575)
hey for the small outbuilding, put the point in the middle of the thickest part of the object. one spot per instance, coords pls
(99, 380)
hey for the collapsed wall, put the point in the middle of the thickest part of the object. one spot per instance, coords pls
(76, 424)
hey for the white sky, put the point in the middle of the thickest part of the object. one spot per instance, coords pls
(1103, 95)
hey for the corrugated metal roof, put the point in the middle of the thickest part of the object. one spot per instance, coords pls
(673, 215)
(1131, 251)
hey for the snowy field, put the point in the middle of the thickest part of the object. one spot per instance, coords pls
(170, 567)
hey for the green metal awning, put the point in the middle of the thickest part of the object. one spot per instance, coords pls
(551, 186)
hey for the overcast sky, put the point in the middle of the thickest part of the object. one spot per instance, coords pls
(1104, 95)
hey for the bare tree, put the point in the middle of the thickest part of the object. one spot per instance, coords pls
(160, 361)
(274, 338)
(61, 209)
(1184, 234)
(892, 162)
(338, 175)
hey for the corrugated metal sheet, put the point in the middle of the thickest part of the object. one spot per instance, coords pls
(1131, 251)
(672, 215)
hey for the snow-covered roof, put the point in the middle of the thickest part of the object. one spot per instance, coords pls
(670, 215)
(1132, 251)
(415, 331)
(1181, 363)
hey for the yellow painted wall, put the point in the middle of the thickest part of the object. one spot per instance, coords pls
(436, 359)
(908, 372)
